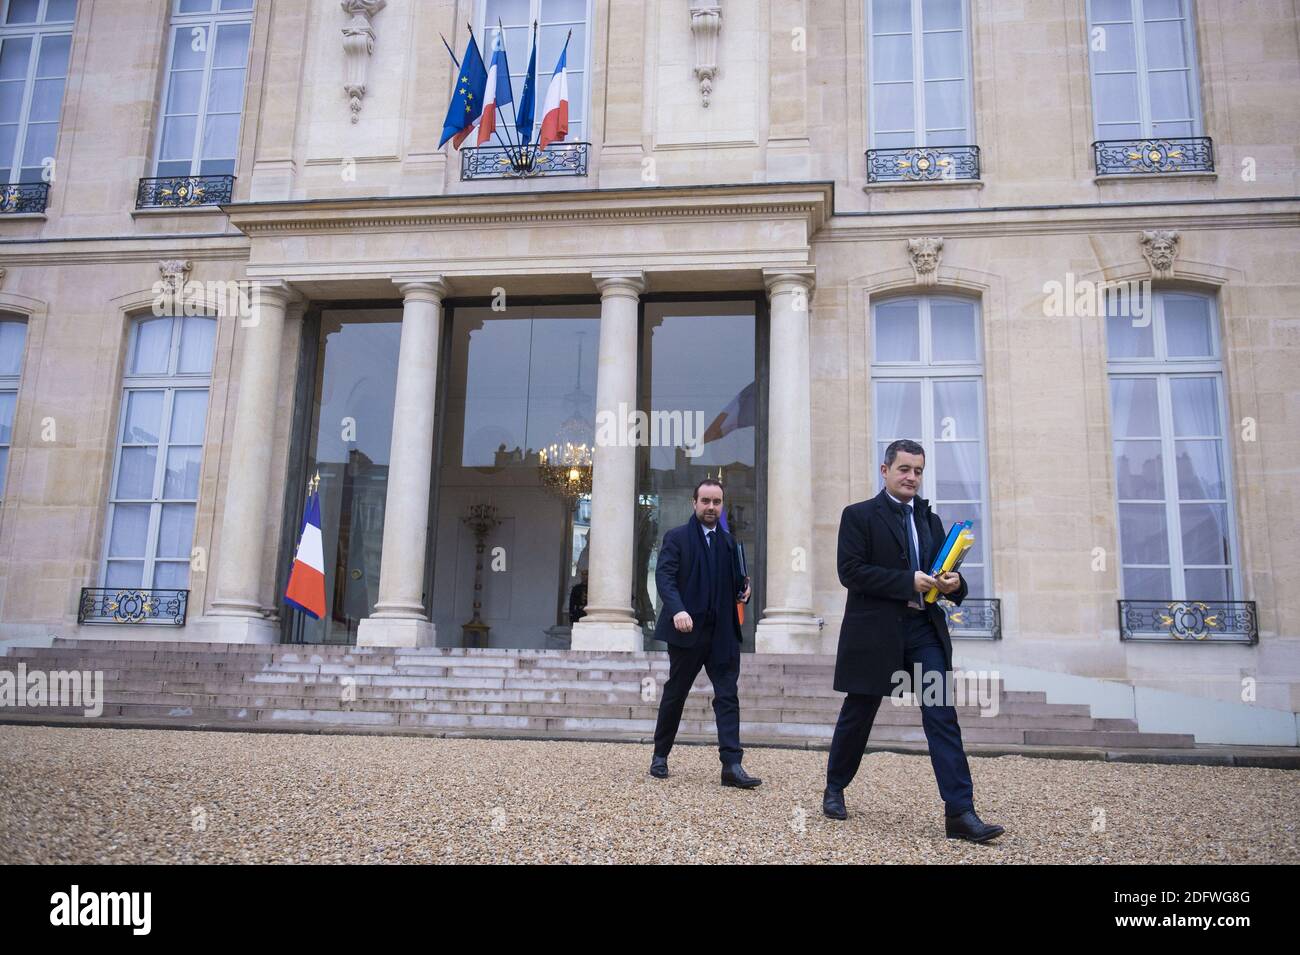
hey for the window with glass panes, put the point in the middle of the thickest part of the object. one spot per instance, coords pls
(555, 18)
(35, 41)
(927, 385)
(13, 336)
(919, 64)
(1172, 469)
(1143, 55)
(203, 97)
(155, 485)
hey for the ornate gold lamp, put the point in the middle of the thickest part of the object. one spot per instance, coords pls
(480, 519)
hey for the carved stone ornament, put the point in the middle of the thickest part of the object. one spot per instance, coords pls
(358, 44)
(706, 24)
(925, 253)
(174, 272)
(1160, 248)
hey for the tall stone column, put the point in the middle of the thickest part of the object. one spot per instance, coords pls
(788, 624)
(237, 604)
(399, 619)
(609, 623)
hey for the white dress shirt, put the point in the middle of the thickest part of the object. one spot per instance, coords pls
(911, 526)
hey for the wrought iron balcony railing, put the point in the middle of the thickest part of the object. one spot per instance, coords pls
(923, 164)
(523, 162)
(24, 197)
(166, 192)
(157, 607)
(1189, 621)
(1119, 157)
(978, 618)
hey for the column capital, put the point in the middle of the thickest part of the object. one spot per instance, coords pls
(275, 292)
(422, 288)
(621, 282)
(789, 279)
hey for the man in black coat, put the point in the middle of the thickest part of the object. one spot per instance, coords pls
(886, 546)
(699, 581)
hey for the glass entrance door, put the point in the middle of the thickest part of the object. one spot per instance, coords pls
(517, 435)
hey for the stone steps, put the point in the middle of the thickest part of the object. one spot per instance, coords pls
(491, 691)
(332, 689)
(560, 704)
(605, 726)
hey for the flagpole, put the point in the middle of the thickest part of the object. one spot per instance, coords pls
(521, 147)
(502, 143)
(533, 64)
(527, 155)
(510, 145)
(448, 46)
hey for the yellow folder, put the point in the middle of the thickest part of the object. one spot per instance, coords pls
(965, 541)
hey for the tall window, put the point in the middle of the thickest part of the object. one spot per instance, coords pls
(555, 18)
(35, 39)
(155, 485)
(1143, 68)
(1172, 476)
(204, 94)
(13, 335)
(927, 385)
(920, 72)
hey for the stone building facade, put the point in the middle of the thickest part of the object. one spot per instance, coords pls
(751, 209)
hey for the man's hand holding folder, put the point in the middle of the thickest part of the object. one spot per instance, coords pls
(955, 548)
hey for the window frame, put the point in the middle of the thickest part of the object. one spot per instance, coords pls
(39, 31)
(211, 19)
(1145, 121)
(926, 371)
(918, 81)
(485, 36)
(1165, 369)
(169, 383)
(10, 385)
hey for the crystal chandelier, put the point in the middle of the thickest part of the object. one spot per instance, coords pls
(565, 464)
(565, 469)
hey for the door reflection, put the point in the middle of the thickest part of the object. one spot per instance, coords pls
(518, 432)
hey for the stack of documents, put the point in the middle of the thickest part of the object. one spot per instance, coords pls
(960, 540)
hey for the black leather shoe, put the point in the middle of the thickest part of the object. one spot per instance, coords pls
(659, 767)
(970, 827)
(735, 775)
(833, 803)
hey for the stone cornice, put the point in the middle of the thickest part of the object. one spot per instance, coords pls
(810, 202)
(77, 251)
(1061, 221)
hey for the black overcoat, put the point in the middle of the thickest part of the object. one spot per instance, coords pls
(873, 565)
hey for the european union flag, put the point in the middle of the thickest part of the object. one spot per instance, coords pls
(467, 99)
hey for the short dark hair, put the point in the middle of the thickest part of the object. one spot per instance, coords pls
(902, 444)
(713, 481)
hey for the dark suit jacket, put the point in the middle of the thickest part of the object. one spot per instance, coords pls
(873, 565)
(683, 583)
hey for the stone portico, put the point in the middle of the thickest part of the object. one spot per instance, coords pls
(618, 244)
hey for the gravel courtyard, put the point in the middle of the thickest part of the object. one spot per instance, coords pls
(109, 795)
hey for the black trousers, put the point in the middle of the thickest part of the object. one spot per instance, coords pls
(942, 734)
(684, 664)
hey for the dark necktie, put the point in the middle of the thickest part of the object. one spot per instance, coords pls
(912, 557)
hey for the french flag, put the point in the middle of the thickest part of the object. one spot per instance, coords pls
(739, 413)
(498, 90)
(306, 589)
(555, 113)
